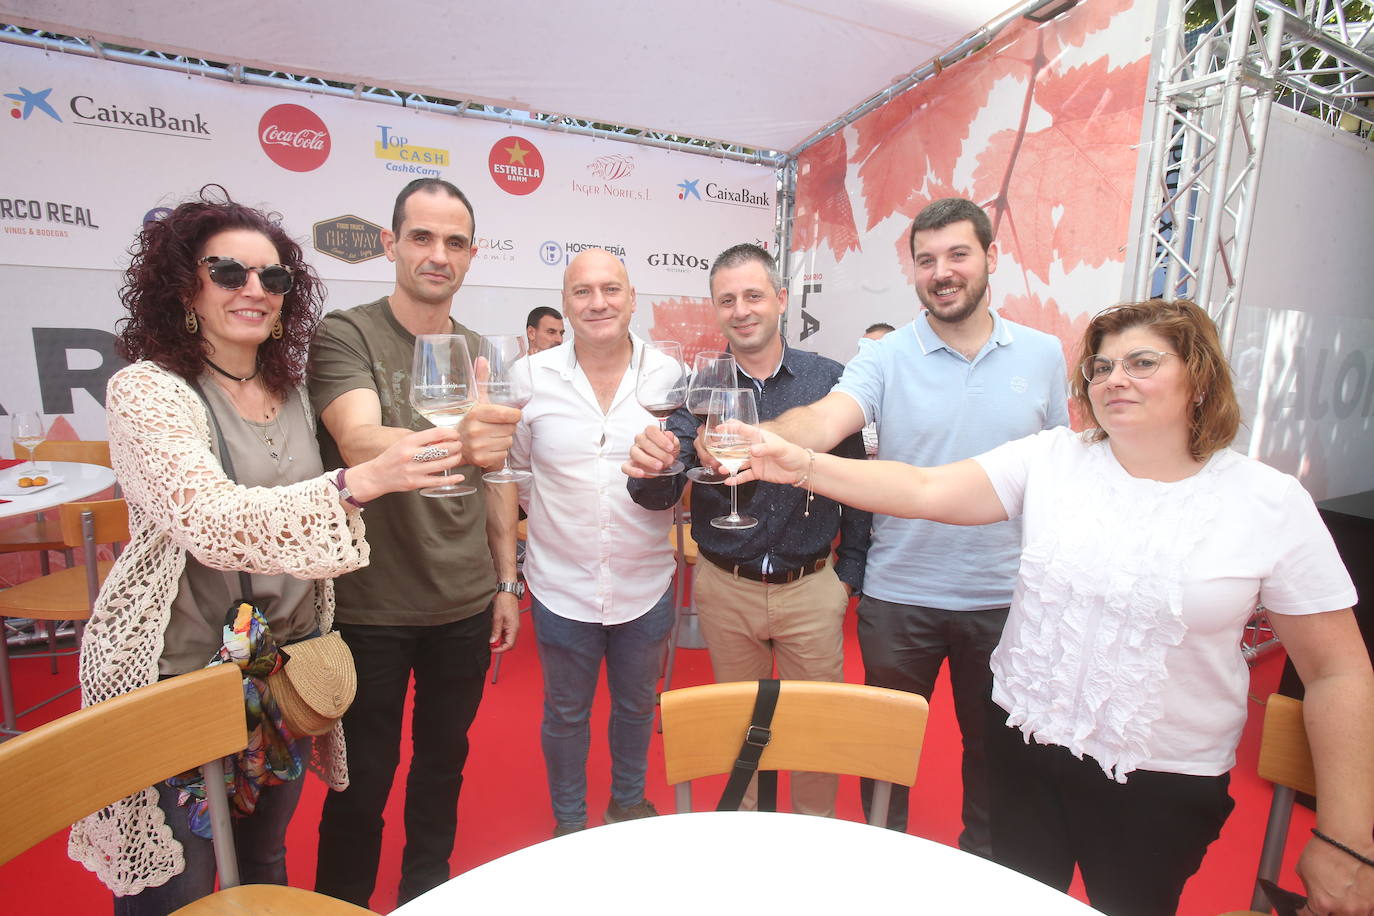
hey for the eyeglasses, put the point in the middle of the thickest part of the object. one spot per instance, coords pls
(231, 274)
(1141, 363)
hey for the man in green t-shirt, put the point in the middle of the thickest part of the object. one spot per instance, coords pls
(440, 594)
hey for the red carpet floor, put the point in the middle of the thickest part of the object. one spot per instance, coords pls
(505, 806)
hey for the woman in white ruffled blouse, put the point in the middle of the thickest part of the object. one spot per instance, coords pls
(218, 296)
(1119, 687)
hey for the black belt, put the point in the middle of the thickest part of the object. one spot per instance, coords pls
(772, 577)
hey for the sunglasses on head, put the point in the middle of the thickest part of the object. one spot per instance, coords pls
(230, 273)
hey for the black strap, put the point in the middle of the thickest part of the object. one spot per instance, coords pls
(756, 738)
(245, 580)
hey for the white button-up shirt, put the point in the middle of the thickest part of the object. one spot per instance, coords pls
(591, 554)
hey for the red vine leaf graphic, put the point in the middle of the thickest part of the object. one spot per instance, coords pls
(689, 320)
(1046, 316)
(920, 135)
(1068, 186)
(823, 210)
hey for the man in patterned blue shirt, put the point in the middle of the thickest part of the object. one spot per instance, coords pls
(769, 593)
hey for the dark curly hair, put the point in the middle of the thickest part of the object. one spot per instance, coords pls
(163, 277)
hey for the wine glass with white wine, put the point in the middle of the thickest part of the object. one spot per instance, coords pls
(505, 379)
(729, 446)
(711, 369)
(26, 429)
(661, 387)
(442, 390)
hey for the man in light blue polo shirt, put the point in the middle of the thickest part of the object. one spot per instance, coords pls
(956, 382)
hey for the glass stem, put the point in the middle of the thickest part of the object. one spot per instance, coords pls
(734, 510)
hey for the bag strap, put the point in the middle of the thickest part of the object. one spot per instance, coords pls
(245, 580)
(756, 738)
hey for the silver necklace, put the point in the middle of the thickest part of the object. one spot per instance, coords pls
(269, 433)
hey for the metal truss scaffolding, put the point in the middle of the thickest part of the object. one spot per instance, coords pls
(1216, 87)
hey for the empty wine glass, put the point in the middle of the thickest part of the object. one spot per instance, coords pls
(729, 446)
(711, 369)
(661, 387)
(503, 377)
(442, 389)
(26, 429)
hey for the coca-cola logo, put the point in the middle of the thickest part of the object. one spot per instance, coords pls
(294, 137)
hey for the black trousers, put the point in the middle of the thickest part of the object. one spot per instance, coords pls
(450, 664)
(1136, 843)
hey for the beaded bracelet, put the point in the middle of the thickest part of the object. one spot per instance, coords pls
(1342, 847)
(805, 480)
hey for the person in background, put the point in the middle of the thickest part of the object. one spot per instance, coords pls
(876, 331)
(599, 567)
(219, 299)
(955, 382)
(1119, 691)
(543, 329)
(440, 595)
(769, 593)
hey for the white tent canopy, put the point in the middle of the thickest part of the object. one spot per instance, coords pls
(761, 73)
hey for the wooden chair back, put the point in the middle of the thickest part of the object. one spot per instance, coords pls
(850, 729)
(111, 518)
(76, 765)
(1285, 758)
(84, 451)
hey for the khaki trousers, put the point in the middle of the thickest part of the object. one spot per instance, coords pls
(749, 625)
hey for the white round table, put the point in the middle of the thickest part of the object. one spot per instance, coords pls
(742, 862)
(78, 482)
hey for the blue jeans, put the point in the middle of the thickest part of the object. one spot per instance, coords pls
(259, 839)
(570, 652)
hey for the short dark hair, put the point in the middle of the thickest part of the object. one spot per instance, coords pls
(738, 255)
(879, 326)
(163, 277)
(429, 186)
(540, 313)
(1192, 336)
(947, 210)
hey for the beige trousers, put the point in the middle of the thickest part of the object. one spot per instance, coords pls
(749, 625)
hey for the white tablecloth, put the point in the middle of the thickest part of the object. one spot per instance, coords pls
(741, 862)
(78, 482)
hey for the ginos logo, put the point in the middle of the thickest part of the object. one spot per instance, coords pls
(294, 138)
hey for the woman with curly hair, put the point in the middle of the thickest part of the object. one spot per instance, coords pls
(221, 309)
(1119, 688)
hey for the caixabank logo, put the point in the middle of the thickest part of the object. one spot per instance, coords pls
(714, 192)
(516, 166)
(294, 137)
(24, 103)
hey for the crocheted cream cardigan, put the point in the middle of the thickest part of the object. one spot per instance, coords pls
(180, 501)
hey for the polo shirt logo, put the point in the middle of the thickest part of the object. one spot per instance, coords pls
(1019, 384)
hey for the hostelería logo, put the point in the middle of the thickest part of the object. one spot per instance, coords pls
(294, 137)
(516, 166)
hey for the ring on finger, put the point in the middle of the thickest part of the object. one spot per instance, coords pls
(430, 453)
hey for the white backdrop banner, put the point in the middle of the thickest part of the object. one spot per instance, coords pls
(93, 148)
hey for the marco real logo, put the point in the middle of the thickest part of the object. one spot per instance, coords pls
(516, 166)
(714, 192)
(404, 156)
(294, 137)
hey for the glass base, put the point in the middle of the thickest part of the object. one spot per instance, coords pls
(734, 522)
(506, 475)
(453, 489)
(705, 475)
(671, 470)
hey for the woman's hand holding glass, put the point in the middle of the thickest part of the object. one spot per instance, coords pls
(730, 411)
(416, 460)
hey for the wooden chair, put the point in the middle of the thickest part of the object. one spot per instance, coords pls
(67, 594)
(850, 729)
(1286, 761)
(64, 770)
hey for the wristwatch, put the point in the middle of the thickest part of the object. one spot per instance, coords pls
(516, 588)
